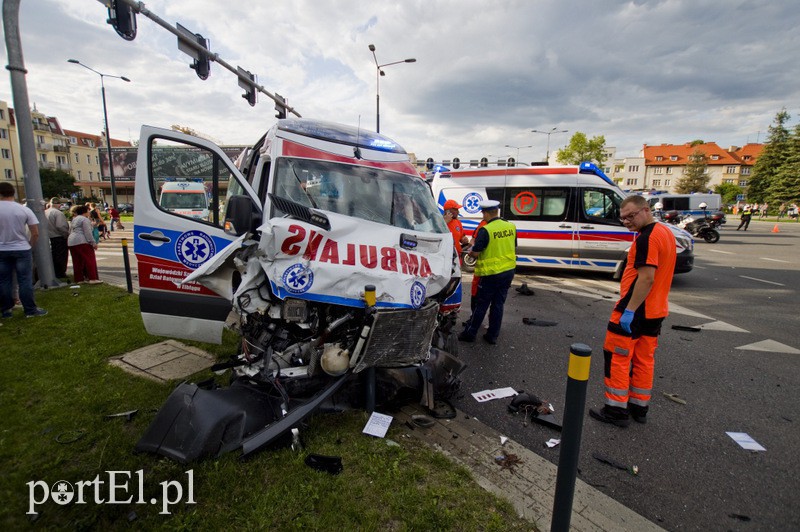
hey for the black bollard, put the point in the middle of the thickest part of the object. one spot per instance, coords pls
(127, 262)
(580, 358)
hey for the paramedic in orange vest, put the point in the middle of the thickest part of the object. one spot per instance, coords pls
(632, 333)
(456, 229)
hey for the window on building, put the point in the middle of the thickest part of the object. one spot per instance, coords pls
(40, 139)
(9, 173)
(747, 157)
(746, 170)
(77, 158)
(743, 182)
(715, 157)
(6, 153)
(633, 168)
(91, 175)
(97, 160)
(2, 114)
(669, 169)
(73, 140)
(729, 181)
(658, 170)
(673, 157)
(43, 157)
(666, 182)
(3, 133)
(79, 175)
(88, 159)
(656, 182)
(659, 158)
(630, 182)
(730, 169)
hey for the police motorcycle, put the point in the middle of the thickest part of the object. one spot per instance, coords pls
(698, 227)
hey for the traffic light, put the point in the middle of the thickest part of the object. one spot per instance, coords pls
(123, 18)
(280, 106)
(511, 161)
(202, 63)
(484, 162)
(429, 163)
(247, 82)
(456, 163)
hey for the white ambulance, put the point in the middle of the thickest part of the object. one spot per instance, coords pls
(187, 198)
(566, 216)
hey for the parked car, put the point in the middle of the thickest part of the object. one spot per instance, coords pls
(125, 208)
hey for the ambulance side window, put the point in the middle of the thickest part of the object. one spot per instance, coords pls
(188, 181)
(600, 206)
(533, 204)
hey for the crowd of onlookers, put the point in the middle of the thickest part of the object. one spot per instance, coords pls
(763, 210)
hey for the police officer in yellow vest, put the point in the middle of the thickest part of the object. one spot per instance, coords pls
(495, 248)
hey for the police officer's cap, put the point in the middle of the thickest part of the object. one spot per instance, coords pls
(489, 205)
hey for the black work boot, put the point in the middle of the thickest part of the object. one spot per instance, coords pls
(611, 414)
(638, 413)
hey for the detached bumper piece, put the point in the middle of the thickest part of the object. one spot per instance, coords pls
(195, 423)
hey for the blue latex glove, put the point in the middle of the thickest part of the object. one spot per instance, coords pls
(626, 319)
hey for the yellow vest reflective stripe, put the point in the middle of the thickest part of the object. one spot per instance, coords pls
(500, 255)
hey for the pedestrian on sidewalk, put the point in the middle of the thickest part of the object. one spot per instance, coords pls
(113, 213)
(16, 255)
(58, 229)
(635, 323)
(495, 250)
(82, 245)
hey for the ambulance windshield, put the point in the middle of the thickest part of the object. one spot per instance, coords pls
(381, 196)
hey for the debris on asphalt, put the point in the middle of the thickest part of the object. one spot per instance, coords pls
(325, 464)
(633, 470)
(508, 461)
(539, 323)
(128, 415)
(524, 290)
(552, 442)
(739, 517)
(422, 420)
(443, 409)
(746, 441)
(377, 425)
(686, 328)
(674, 397)
(539, 411)
(503, 440)
(498, 393)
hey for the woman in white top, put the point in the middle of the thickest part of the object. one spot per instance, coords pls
(82, 245)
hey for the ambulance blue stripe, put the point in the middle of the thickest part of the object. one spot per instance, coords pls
(333, 300)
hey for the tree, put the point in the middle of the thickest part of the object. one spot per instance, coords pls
(728, 191)
(769, 161)
(785, 185)
(581, 149)
(695, 179)
(56, 183)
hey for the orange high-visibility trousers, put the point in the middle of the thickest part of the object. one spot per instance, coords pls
(629, 364)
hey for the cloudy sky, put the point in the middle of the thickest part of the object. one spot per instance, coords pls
(487, 73)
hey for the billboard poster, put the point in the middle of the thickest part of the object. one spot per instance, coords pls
(168, 162)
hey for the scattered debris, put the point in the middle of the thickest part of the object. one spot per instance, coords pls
(70, 436)
(539, 323)
(503, 440)
(686, 328)
(746, 441)
(499, 393)
(508, 461)
(740, 517)
(524, 290)
(377, 425)
(325, 464)
(422, 420)
(133, 516)
(443, 409)
(674, 397)
(392, 443)
(540, 411)
(633, 470)
(128, 415)
(552, 442)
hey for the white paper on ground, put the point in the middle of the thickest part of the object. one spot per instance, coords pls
(745, 441)
(499, 393)
(552, 442)
(377, 425)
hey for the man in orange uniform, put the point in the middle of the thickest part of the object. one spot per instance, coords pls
(456, 229)
(632, 333)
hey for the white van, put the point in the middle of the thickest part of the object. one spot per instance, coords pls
(566, 216)
(187, 198)
(686, 204)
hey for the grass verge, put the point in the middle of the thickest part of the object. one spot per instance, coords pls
(56, 388)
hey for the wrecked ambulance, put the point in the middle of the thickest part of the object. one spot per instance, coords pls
(325, 251)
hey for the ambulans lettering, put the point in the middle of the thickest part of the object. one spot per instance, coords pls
(326, 250)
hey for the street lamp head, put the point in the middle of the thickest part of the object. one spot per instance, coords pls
(382, 72)
(411, 60)
(123, 78)
(371, 47)
(73, 61)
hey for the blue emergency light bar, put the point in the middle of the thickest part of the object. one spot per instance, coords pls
(591, 168)
(340, 133)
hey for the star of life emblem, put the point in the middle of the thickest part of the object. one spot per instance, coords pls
(471, 202)
(193, 248)
(417, 294)
(297, 279)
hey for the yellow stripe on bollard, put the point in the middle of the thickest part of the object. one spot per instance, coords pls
(124, 242)
(578, 368)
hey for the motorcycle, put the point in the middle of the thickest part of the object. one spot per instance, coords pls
(697, 227)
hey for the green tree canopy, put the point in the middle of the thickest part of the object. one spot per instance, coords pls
(56, 183)
(785, 184)
(770, 160)
(695, 179)
(728, 191)
(581, 149)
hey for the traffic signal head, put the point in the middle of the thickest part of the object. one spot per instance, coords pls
(123, 18)
(280, 106)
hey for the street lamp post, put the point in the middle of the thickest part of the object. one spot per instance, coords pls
(517, 148)
(548, 133)
(378, 83)
(105, 120)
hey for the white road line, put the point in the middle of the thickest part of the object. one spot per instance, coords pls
(719, 251)
(761, 280)
(774, 260)
(770, 346)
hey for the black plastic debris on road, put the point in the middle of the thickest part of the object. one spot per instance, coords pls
(524, 290)
(325, 464)
(686, 328)
(539, 411)
(539, 323)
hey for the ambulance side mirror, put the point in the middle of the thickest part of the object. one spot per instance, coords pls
(240, 216)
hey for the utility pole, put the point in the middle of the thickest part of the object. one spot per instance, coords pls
(30, 167)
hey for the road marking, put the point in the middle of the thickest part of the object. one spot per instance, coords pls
(674, 308)
(761, 280)
(721, 326)
(770, 346)
(774, 260)
(719, 251)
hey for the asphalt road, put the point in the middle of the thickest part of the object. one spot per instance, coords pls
(692, 476)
